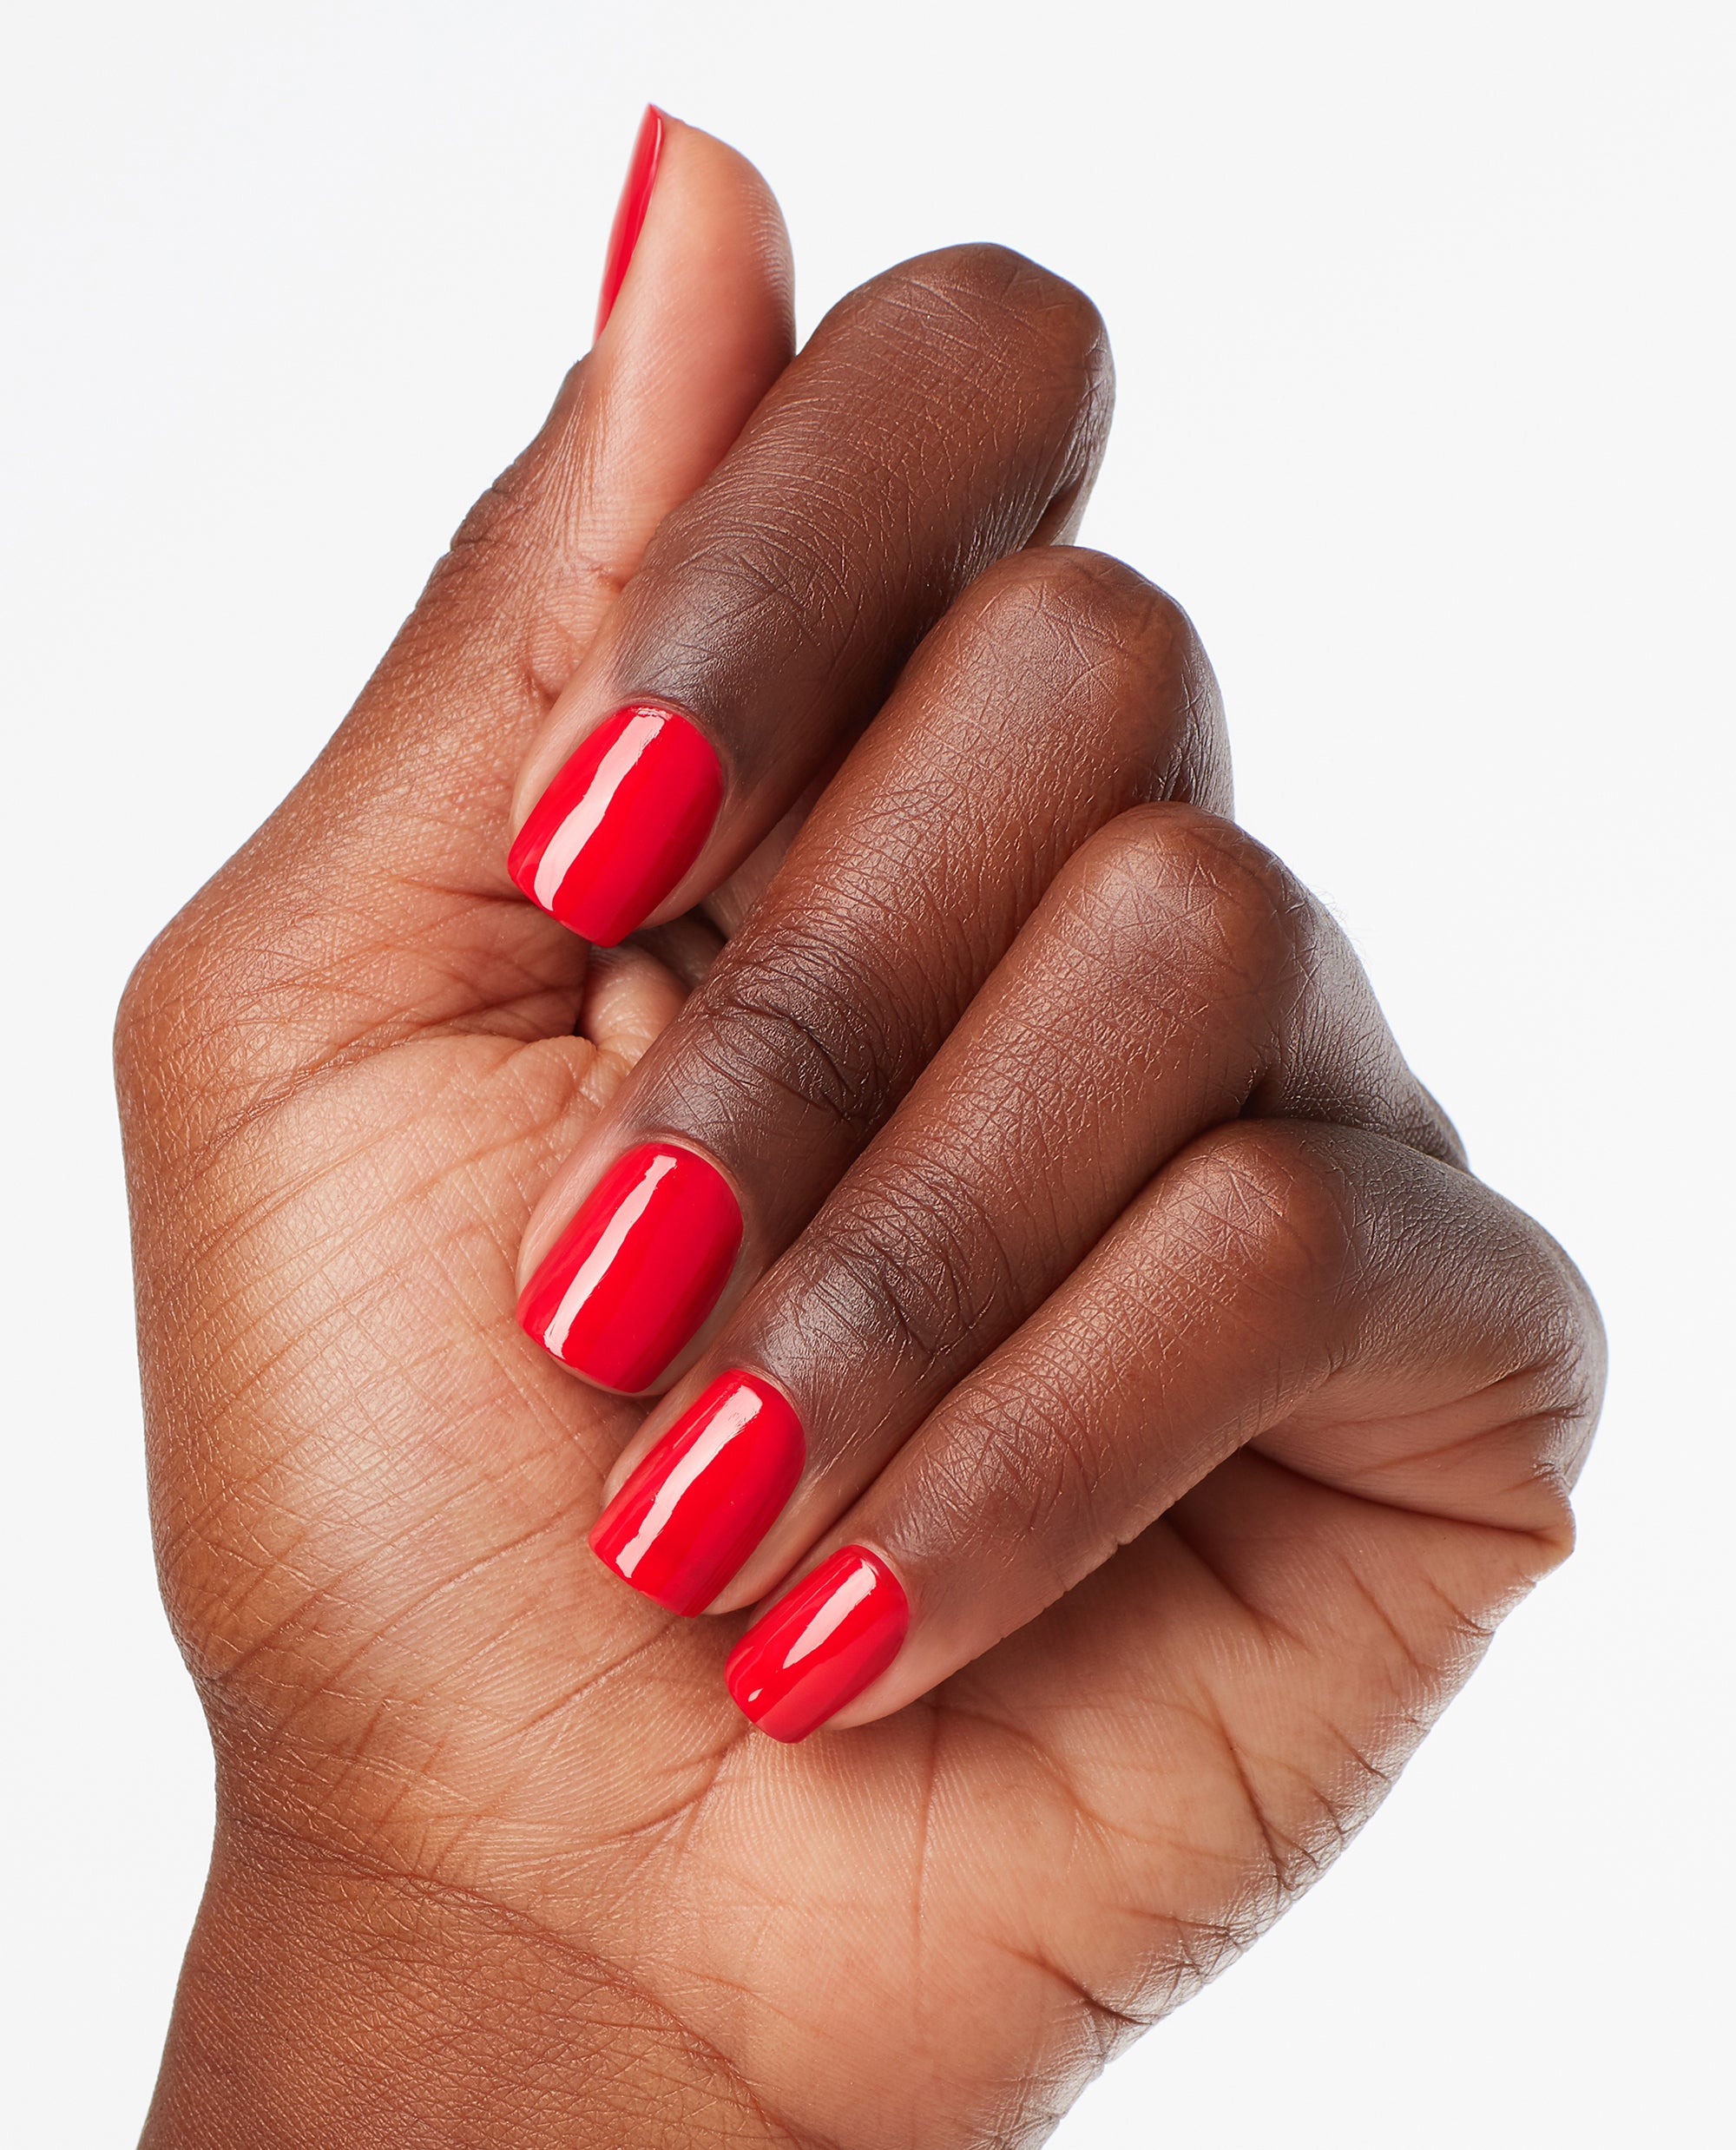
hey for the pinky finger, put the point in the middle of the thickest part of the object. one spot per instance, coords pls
(1375, 1321)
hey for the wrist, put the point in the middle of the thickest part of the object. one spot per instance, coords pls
(322, 2005)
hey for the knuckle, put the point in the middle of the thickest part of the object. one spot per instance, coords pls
(787, 1020)
(1263, 1199)
(1172, 886)
(915, 1268)
(1019, 1480)
(1115, 658)
(1087, 597)
(984, 299)
(744, 577)
(998, 278)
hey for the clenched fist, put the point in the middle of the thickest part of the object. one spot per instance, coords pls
(753, 1152)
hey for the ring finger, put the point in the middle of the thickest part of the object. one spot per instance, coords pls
(1173, 978)
(1275, 1291)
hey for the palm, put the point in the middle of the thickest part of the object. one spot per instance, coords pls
(392, 1586)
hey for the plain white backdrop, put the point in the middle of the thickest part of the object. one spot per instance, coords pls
(1424, 340)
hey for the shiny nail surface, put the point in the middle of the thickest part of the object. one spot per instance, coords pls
(700, 1501)
(629, 214)
(638, 1269)
(622, 823)
(819, 1648)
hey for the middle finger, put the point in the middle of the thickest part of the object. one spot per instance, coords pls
(1060, 691)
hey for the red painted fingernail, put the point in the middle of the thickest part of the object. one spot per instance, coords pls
(702, 1499)
(622, 824)
(819, 1648)
(638, 1269)
(629, 214)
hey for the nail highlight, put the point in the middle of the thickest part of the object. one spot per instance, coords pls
(622, 824)
(819, 1648)
(701, 1501)
(638, 1269)
(629, 214)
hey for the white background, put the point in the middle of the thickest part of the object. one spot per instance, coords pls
(1424, 344)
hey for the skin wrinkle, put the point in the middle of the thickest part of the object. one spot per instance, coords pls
(305, 1351)
(552, 1525)
(601, 1969)
(901, 1262)
(233, 1233)
(1289, 1865)
(1472, 1443)
(578, 1058)
(1117, 2027)
(965, 1513)
(688, 1810)
(1158, 1973)
(1081, 1811)
(324, 1325)
(330, 1582)
(321, 1443)
(791, 1015)
(888, 1283)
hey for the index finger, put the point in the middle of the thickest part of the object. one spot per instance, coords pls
(952, 410)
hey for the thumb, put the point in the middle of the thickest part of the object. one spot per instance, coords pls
(695, 322)
(365, 908)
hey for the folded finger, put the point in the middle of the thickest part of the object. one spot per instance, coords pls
(1274, 1274)
(1174, 978)
(949, 412)
(1061, 689)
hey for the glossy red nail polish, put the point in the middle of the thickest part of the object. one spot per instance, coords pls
(622, 823)
(629, 214)
(701, 1500)
(819, 1648)
(638, 1269)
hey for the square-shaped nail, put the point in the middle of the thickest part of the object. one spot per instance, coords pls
(699, 1502)
(820, 1646)
(632, 1276)
(622, 824)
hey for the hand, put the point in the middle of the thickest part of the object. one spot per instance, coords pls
(1163, 1243)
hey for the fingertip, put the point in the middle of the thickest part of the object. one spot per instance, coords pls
(630, 999)
(700, 254)
(629, 214)
(699, 323)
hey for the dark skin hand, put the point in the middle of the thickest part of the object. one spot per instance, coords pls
(1138, 1306)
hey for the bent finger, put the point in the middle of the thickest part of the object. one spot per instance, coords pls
(1061, 689)
(1174, 978)
(1272, 1271)
(949, 412)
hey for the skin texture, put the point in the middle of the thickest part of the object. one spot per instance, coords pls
(497, 1861)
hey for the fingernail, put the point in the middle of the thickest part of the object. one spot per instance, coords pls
(819, 1648)
(621, 824)
(638, 1269)
(702, 1499)
(629, 212)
